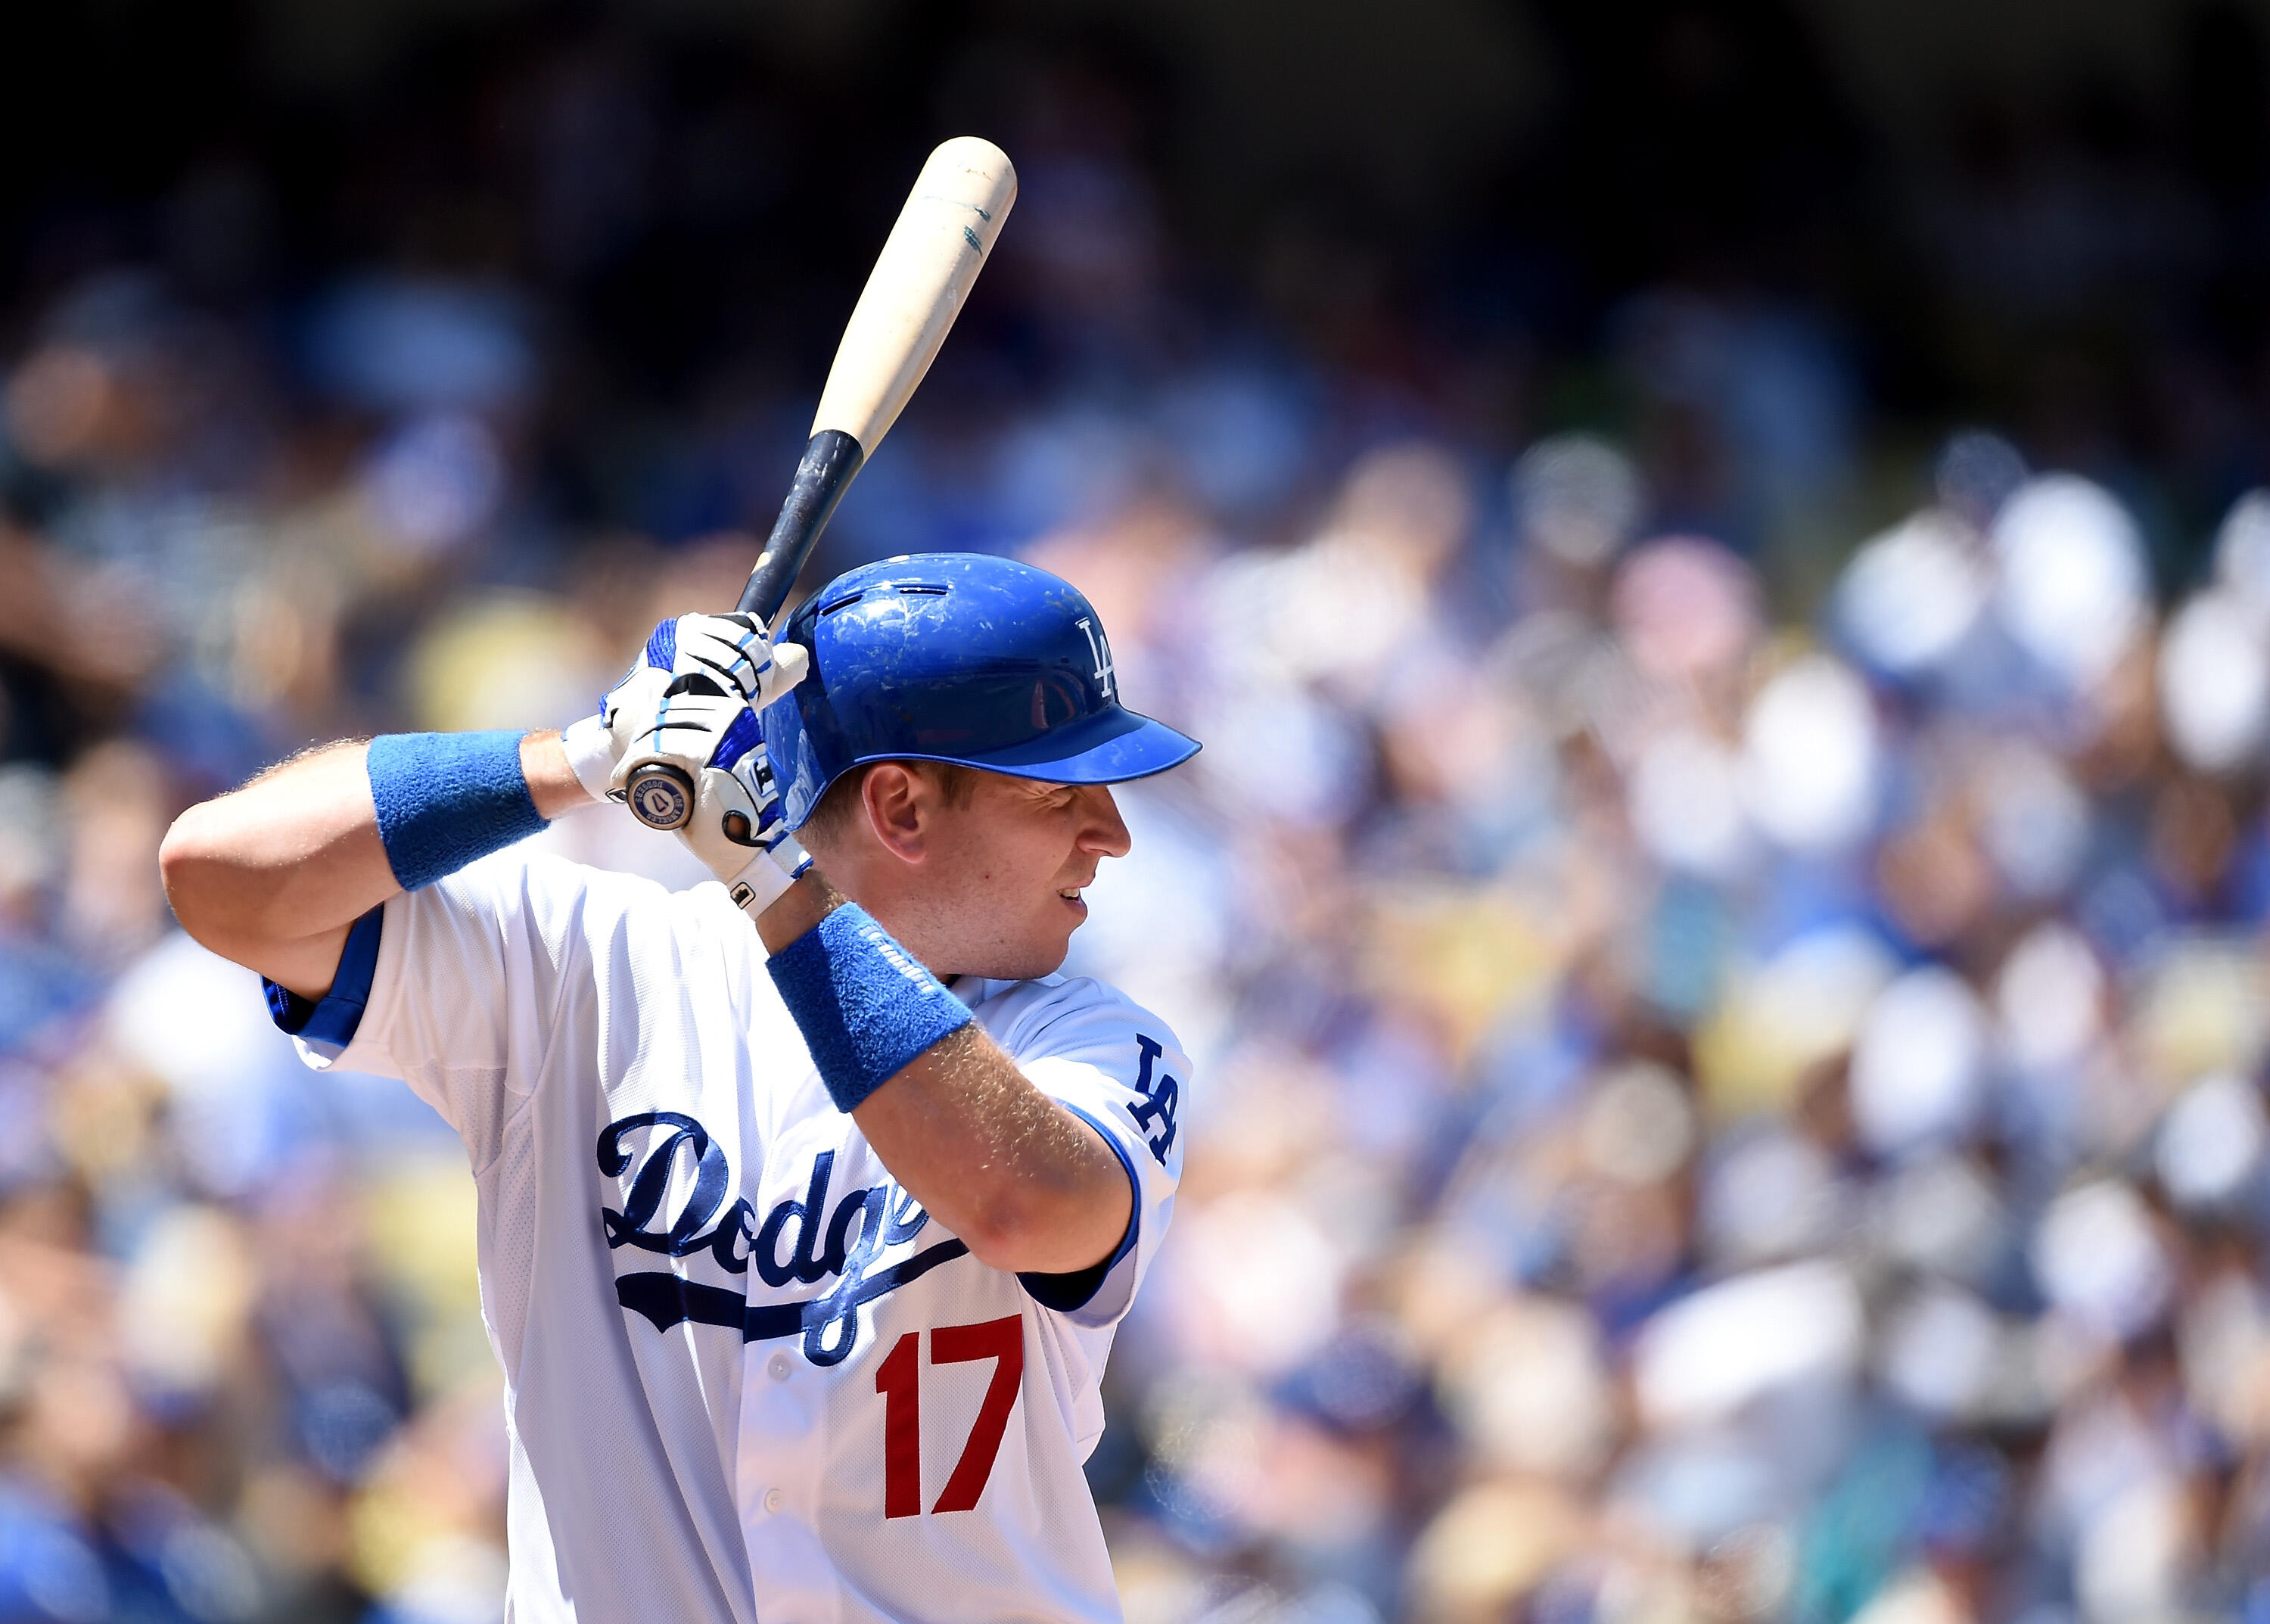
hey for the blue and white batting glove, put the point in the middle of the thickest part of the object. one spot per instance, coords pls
(694, 656)
(737, 829)
(726, 655)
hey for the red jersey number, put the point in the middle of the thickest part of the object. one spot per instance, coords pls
(899, 1380)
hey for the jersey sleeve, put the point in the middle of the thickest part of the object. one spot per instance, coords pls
(1120, 1069)
(458, 983)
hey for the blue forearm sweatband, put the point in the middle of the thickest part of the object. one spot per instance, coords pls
(445, 799)
(865, 1008)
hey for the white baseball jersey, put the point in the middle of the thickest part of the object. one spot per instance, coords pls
(748, 1377)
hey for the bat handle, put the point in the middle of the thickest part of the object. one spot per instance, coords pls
(660, 794)
(830, 459)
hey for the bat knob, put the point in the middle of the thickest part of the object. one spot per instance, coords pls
(660, 796)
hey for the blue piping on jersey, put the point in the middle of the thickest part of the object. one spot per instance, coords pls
(328, 1025)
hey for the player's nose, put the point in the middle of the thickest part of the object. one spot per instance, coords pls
(1101, 829)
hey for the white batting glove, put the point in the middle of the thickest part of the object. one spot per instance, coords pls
(721, 658)
(701, 655)
(726, 655)
(737, 828)
(594, 744)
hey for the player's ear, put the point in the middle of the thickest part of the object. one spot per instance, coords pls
(895, 799)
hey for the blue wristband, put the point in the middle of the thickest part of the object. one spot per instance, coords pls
(445, 799)
(864, 1007)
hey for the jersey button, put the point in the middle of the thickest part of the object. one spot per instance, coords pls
(775, 1500)
(778, 1367)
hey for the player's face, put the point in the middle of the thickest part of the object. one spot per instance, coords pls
(1005, 872)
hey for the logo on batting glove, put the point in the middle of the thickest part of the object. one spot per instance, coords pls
(660, 800)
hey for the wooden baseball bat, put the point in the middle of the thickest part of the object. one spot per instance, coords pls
(925, 271)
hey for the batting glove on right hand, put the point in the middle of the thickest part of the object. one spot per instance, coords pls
(737, 828)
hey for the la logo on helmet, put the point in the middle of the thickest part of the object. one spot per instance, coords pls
(1101, 650)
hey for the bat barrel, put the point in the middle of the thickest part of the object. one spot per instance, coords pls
(924, 271)
(934, 252)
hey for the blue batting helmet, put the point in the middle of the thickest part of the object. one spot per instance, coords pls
(956, 657)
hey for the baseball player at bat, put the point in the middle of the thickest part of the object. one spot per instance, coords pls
(808, 1199)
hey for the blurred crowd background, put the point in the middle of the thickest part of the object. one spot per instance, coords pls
(1715, 546)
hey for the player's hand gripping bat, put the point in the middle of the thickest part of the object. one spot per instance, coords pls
(924, 271)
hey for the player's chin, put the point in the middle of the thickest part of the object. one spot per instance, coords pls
(1037, 950)
(1046, 947)
(1025, 965)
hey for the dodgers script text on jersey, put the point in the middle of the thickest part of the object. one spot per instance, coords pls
(754, 1378)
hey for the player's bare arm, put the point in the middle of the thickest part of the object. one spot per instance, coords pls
(273, 875)
(1051, 1198)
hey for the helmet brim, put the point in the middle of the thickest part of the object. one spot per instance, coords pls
(1107, 749)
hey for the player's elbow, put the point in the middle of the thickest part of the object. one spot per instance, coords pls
(202, 880)
(1026, 1229)
(185, 861)
(1030, 1228)
(1001, 1231)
